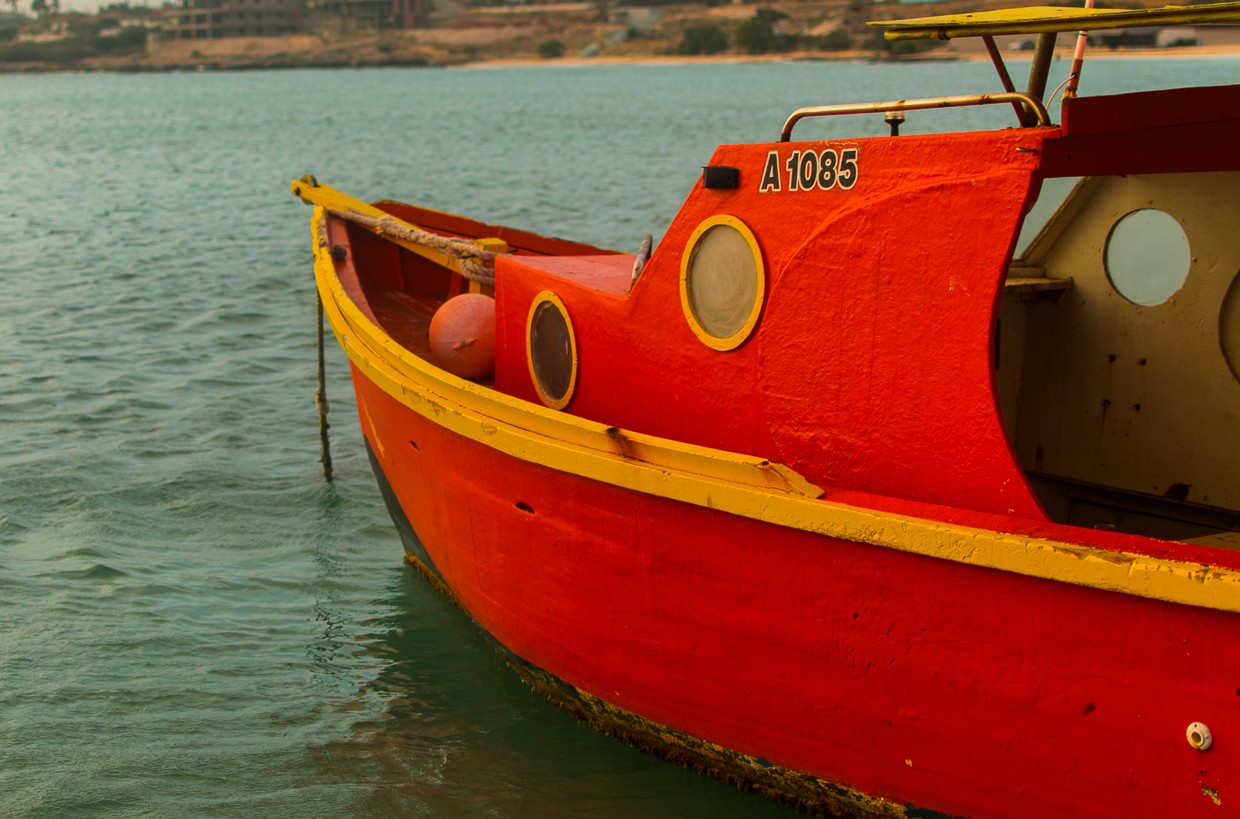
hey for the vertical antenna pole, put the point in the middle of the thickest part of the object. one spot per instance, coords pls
(1078, 57)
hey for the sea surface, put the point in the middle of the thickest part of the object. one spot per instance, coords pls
(192, 621)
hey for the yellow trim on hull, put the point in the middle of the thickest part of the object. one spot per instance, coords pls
(733, 483)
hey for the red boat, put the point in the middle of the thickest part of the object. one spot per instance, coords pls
(843, 493)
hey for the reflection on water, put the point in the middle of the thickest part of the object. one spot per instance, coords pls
(475, 741)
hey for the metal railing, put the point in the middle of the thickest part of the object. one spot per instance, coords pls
(1010, 97)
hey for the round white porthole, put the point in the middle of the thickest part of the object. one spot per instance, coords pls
(722, 282)
(1147, 257)
(551, 350)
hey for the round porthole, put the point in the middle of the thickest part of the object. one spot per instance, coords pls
(722, 282)
(1229, 327)
(1147, 257)
(551, 349)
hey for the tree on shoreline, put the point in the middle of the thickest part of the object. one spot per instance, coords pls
(703, 39)
(43, 8)
(757, 35)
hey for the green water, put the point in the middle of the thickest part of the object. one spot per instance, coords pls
(191, 621)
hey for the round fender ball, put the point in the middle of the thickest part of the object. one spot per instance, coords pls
(463, 335)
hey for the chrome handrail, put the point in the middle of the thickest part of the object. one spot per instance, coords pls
(1034, 105)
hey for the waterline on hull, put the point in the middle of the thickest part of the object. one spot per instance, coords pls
(803, 791)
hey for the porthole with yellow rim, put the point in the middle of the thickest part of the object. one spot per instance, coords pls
(551, 350)
(722, 282)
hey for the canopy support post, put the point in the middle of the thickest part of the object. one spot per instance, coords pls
(1005, 79)
(1041, 67)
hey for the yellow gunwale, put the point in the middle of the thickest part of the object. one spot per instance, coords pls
(729, 482)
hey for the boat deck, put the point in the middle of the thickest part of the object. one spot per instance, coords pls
(406, 318)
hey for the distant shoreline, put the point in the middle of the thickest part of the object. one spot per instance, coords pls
(1206, 52)
(143, 66)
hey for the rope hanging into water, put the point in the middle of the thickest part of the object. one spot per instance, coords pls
(320, 396)
(476, 264)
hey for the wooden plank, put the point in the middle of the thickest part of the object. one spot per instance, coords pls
(313, 192)
(1032, 284)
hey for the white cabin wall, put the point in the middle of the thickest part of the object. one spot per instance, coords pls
(1114, 394)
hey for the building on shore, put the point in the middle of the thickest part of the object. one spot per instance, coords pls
(371, 13)
(214, 19)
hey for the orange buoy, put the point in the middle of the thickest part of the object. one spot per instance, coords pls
(463, 335)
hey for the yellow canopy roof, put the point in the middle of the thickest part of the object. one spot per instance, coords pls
(1046, 19)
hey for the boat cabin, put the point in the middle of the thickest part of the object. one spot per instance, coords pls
(1040, 322)
(1120, 392)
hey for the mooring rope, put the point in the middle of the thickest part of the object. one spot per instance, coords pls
(320, 395)
(476, 264)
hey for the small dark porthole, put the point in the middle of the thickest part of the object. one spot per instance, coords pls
(551, 349)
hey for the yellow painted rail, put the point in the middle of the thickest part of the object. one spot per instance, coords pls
(1052, 19)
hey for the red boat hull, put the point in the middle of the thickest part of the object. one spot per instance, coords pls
(938, 537)
(920, 683)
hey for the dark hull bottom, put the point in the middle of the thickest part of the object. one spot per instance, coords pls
(805, 792)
